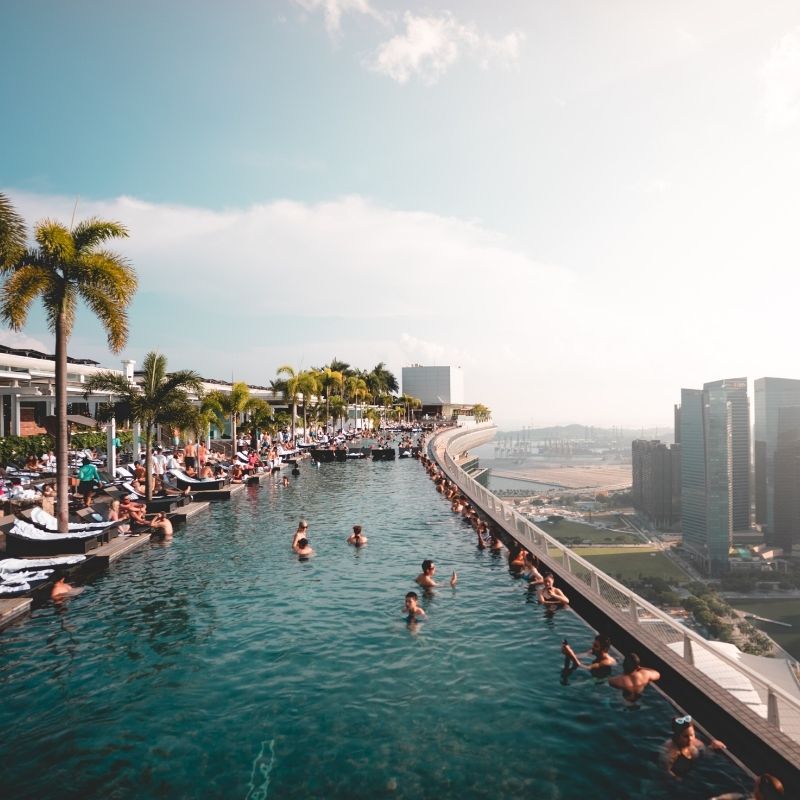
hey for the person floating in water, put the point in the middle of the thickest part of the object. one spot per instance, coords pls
(425, 578)
(634, 679)
(683, 748)
(551, 596)
(414, 612)
(600, 667)
(357, 538)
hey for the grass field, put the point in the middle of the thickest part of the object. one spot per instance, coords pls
(567, 529)
(631, 563)
(784, 610)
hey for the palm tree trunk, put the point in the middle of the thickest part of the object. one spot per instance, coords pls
(233, 432)
(62, 429)
(148, 461)
(294, 420)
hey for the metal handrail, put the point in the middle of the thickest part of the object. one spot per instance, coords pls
(535, 536)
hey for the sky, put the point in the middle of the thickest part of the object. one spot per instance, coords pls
(587, 206)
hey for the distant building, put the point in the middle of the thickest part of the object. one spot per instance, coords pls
(715, 469)
(656, 481)
(772, 397)
(441, 389)
(784, 532)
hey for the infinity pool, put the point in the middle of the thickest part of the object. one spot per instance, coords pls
(221, 667)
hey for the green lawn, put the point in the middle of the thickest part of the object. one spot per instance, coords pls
(631, 563)
(567, 529)
(784, 610)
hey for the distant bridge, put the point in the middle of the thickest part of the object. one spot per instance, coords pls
(758, 719)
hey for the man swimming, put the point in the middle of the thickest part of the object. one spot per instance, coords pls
(162, 527)
(303, 549)
(425, 578)
(357, 538)
(634, 679)
(413, 611)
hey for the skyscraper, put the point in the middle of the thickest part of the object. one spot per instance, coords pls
(655, 490)
(785, 497)
(772, 395)
(715, 469)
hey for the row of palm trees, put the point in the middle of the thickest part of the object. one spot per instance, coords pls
(66, 265)
(341, 386)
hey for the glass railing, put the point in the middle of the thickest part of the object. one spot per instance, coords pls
(780, 708)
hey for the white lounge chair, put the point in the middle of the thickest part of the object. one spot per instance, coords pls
(47, 521)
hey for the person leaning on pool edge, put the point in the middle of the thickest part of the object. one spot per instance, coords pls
(683, 748)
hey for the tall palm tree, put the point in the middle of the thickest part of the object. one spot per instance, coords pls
(338, 409)
(160, 399)
(260, 417)
(308, 386)
(235, 403)
(329, 380)
(357, 389)
(290, 375)
(380, 380)
(63, 267)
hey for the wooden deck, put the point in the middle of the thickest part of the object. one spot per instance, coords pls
(105, 554)
(184, 513)
(12, 608)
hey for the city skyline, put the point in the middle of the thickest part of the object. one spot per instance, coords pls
(585, 209)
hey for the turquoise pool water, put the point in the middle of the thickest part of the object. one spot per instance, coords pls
(221, 667)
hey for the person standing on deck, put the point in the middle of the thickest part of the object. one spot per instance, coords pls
(190, 454)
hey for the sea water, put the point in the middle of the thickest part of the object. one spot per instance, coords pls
(219, 666)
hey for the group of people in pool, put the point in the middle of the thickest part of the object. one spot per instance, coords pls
(682, 750)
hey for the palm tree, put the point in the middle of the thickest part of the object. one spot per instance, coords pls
(481, 412)
(291, 388)
(380, 380)
(356, 388)
(329, 380)
(234, 403)
(160, 399)
(12, 232)
(338, 408)
(260, 417)
(307, 386)
(63, 267)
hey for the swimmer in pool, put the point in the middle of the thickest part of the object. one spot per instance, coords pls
(603, 661)
(634, 679)
(766, 787)
(425, 578)
(683, 748)
(303, 549)
(551, 596)
(61, 589)
(300, 533)
(357, 538)
(413, 611)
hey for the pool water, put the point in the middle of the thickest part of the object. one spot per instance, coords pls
(219, 666)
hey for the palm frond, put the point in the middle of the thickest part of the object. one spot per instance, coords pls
(55, 244)
(19, 291)
(113, 316)
(91, 232)
(110, 382)
(110, 273)
(12, 234)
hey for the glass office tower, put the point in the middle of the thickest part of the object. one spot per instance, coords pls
(771, 396)
(715, 469)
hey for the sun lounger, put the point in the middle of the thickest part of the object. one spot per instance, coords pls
(48, 522)
(160, 502)
(183, 481)
(26, 539)
(18, 564)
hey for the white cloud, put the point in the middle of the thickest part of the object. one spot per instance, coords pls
(781, 78)
(23, 341)
(334, 10)
(430, 45)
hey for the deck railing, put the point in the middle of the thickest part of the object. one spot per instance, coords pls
(779, 708)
